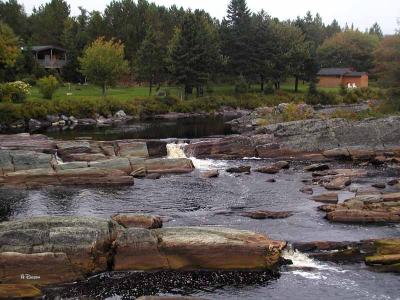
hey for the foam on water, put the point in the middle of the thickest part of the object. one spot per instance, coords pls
(177, 151)
(312, 268)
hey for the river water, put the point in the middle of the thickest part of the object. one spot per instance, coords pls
(189, 200)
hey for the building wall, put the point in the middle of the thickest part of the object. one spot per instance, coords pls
(333, 81)
(329, 81)
(359, 81)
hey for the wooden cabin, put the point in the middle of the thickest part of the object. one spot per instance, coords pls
(335, 77)
(50, 57)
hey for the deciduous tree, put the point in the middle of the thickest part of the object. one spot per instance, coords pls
(349, 49)
(103, 62)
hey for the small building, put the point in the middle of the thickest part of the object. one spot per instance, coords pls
(49, 56)
(335, 77)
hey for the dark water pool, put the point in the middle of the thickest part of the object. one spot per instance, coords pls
(189, 200)
(195, 127)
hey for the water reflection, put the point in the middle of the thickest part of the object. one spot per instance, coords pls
(195, 127)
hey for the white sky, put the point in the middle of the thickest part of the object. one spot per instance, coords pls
(363, 13)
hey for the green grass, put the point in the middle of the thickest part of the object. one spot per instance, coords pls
(129, 93)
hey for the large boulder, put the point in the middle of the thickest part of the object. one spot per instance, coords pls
(189, 248)
(55, 249)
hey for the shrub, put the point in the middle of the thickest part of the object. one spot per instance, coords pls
(351, 97)
(47, 86)
(321, 97)
(14, 91)
(269, 89)
(241, 85)
(10, 112)
(294, 112)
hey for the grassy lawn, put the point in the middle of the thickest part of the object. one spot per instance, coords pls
(129, 93)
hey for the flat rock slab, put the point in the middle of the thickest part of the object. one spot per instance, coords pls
(264, 214)
(25, 160)
(133, 149)
(362, 216)
(71, 147)
(316, 167)
(138, 221)
(19, 291)
(169, 166)
(329, 198)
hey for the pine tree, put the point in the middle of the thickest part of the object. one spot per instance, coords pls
(150, 61)
(194, 52)
(237, 38)
(376, 30)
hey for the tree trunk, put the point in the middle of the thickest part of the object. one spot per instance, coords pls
(296, 84)
(262, 83)
(151, 86)
(104, 89)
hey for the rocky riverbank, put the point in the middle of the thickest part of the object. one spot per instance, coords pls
(50, 250)
(35, 160)
(314, 139)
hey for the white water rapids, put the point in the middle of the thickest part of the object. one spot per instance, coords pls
(307, 267)
(177, 151)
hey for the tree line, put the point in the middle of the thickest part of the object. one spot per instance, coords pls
(186, 47)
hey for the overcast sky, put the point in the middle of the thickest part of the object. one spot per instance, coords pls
(363, 13)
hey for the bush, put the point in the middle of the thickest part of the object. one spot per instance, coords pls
(47, 86)
(351, 97)
(295, 112)
(16, 91)
(10, 112)
(321, 97)
(269, 89)
(241, 85)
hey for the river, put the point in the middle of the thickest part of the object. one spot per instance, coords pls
(189, 200)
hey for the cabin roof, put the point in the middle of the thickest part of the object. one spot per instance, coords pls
(340, 72)
(46, 47)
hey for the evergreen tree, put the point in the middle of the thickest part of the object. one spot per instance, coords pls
(237, 35)
(194, 52)
(262, 47)
(376, 30)
(150, 60)
(47, 22)
(13, 14)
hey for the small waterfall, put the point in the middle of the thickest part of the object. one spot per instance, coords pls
(299, 259)
(177, 151)
(305, 266)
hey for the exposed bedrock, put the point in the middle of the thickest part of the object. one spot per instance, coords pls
(51, 250)
(373, 139)
(35, 160)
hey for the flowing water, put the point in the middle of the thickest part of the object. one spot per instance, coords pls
(189, 200)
